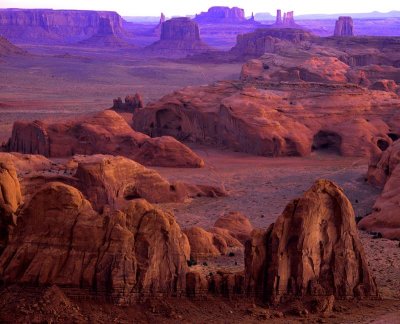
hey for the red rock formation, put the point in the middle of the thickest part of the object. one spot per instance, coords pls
(104, 133)
(267, 40)
(179, 37)
(108, 180)
(157, 30)
(131, 103)
(47, 26)
(344, 27)
(221, 15)
(61, 240)
(278, 20)
(385, 172)
(204, 244)
(105, 36)
(237, 224)
(313, 249)
(276, 119)
(10, 201)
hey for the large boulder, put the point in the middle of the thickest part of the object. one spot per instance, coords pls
(385, 217)
(103, 133)
(61, 240)
(313, 249)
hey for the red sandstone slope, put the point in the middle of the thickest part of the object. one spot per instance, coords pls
(103, 133)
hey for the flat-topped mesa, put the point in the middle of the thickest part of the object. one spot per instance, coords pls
(181, 29)
(344, 26)
(55, 26)
(221, 15)
(313, 250)
(179, 37)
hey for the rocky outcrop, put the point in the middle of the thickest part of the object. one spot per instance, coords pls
(384, 171)
(131, 103)
(104, 37)
(104, 133)
(108, 180)
(10, 200)
(7, 48)
(55, 26)
(277, 118)
(237, 225)
(179, 37)
(229, 233)
(286, 21)
(221, 15)
(268, 40)
(344, 27)
(61, 240)
(313, 249)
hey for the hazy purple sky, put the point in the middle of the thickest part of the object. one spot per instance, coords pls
(186, 7)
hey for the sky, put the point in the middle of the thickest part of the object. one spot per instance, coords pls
(187, 7)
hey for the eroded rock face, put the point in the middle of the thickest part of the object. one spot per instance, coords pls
(104, 133)
(61, 240)
(344, 27)
(313, 249)
(10, 200)
(108, 180)
(179, 37)
(221, 15)
(268, 40)
(55, 26)
(276, 118)
(105, 36)
(385, 218)
(237, 224)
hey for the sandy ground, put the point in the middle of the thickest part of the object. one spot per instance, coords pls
(261, 187)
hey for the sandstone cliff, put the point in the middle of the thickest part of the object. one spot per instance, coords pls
(60, 26)
(105, 36)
